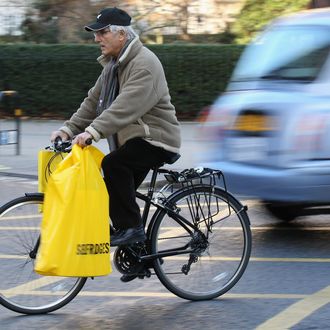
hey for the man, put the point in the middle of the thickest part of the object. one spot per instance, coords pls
(129, 105)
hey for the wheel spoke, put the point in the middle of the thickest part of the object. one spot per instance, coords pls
(221, 243)
(21, 289)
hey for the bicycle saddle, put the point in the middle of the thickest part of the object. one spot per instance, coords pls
(172, 159)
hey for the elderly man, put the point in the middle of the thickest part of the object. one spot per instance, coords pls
(130, 105)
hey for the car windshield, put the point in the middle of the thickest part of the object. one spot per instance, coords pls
(285, 53)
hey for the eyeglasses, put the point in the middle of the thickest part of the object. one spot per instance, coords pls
(102, 32)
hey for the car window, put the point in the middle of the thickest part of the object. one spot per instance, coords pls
(288, 52)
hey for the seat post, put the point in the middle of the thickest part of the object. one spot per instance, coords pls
(152, 184)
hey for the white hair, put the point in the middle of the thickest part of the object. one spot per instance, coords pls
(128, 30)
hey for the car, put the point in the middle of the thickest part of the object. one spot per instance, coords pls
(269, 131)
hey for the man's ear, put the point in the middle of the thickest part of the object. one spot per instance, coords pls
(122, 35)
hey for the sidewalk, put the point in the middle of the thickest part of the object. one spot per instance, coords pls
(35, 136)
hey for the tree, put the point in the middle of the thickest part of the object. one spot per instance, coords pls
(54, 21)
(257, 13)
(62, 21)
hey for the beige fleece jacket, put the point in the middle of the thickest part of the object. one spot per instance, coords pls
(143, 107)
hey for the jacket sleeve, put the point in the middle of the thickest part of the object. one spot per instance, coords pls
(137, 96)
(86, 112)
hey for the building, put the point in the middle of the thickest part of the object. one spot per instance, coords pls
(12, 13)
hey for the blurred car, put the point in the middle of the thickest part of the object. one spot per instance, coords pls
(270, 131)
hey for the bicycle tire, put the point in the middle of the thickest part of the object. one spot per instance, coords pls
(22, 290)
(215, 269)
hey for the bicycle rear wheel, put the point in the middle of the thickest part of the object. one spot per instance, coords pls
(222, 243)
(21, 289)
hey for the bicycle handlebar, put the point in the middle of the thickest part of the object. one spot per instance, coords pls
(65, 146)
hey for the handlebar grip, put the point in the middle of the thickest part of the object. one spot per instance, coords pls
(89, 141)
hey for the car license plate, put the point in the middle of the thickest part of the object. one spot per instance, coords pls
(254, 123)
(247, 149)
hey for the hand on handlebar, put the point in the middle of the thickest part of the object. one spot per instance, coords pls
(62, 135)
(83, 139)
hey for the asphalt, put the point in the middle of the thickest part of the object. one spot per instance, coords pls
(35, 134)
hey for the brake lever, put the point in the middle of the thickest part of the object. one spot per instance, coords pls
(62, 146)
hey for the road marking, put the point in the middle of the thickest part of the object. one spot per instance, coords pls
(21, 217)
(11, 256)
(173, 229)
(153, 294)
(215, 258)
(24, 288)
(262, 228)
(291, 228)
(298, 311)
(290, 259)
(171, 295)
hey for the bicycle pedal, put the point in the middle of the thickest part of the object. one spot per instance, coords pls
(146, 273)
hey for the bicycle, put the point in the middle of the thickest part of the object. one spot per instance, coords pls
(198, 243)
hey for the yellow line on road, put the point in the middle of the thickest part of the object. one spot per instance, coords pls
(28, 287)
(263, 228)
(291, 228)
(152, 294)
(290, 259)
(212, 258)
(12, 256)
(175, 230)
(298, 311)
(171, 295)
(21, 217)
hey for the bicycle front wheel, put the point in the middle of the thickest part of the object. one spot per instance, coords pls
(21, 288)
(221, 243)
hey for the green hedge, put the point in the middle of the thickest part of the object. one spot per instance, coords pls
(52, 80)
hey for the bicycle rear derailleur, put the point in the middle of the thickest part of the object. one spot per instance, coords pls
(126, 260)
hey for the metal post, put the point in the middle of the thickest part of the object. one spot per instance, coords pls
(18, 114)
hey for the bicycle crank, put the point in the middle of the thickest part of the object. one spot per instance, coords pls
(127, 262)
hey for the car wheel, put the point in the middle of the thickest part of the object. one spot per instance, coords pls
(284, 212)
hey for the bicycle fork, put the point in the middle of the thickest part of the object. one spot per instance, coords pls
(34, 251)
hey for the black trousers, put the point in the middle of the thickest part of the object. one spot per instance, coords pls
(124, 170)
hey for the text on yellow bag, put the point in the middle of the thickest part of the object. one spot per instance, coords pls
(75, 237)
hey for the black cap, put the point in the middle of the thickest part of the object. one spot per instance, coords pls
(109, 16)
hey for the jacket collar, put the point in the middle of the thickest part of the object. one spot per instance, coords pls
(130, 52)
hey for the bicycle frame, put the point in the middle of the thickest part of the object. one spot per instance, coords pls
(148, 199)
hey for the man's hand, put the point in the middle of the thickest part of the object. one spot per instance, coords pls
(82, 139)
(60, 134)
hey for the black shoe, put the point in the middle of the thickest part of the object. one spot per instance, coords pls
(128, 236)
(127, 278)
(140, 272)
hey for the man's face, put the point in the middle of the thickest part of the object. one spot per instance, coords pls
(110, 42)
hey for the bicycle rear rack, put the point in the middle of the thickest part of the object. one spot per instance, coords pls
(193, 178)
